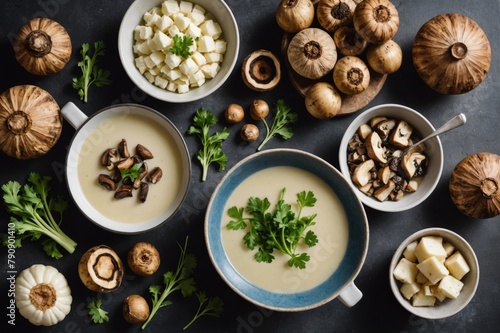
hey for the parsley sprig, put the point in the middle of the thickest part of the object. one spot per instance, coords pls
(133, 173)
(207, 307)
(34, 214)
(282, 229)
(284, 116)
(212, 144)
(91, 73)
(182, 46)
(180, 279)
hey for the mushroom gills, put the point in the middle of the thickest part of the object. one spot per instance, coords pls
(101, 269)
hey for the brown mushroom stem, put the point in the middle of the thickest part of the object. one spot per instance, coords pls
(381, 14)
(19, 122)
(489, 187)
(38, 43)
(458, 50)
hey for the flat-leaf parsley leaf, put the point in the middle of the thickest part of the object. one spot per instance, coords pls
(182, 46)
(281, 230)
(98, 314)
(212, 144)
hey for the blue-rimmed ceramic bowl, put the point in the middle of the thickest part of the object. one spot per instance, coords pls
(340, 283)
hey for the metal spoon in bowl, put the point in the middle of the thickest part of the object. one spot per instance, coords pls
(454, 122)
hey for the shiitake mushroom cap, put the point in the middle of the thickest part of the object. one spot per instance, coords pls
(261, 70)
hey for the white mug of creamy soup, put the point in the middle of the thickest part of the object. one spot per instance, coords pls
(137, 125)
(341, 227)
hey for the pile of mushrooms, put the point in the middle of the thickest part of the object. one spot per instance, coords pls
(378, 163)
(122, 182)
(351, 40)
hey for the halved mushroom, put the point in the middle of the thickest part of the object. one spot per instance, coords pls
(364, 130)
(107, 182)
(375, 120)
(261, 70)
(109, 158)
(363, 172)
(126, 163)
(144, 152)
(383, 192)
(155, 175)
(101, 269)
(401, 134)
(411, 186)
(124, 191)
(385, 127)
(384, 174)
(412, 162)
(123, 149)
(374, 147)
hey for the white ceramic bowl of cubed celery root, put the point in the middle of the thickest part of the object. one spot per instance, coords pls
(217, 10)
(448, 306)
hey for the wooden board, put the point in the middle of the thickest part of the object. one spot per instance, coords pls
(350, 103)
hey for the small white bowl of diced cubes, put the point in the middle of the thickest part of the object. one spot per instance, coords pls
(178, 50)
(434, 273)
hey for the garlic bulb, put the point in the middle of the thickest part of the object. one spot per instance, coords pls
(43, 295)
(42, 46)
(30, 122)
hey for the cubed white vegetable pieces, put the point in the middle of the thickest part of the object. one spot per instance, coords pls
(457, 265)
(405, 271)
(433, 269)
(154, 38)
(429, 270)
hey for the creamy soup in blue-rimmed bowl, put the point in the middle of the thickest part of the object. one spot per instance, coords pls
(340, 226)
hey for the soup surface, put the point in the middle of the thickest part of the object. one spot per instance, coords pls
(331, 228)
(136, 129)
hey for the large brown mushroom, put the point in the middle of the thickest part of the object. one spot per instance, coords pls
(42, 46)
(101, 269)
(451, 53)
(30, 122)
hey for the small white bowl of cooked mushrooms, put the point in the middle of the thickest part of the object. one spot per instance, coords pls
(372, 158)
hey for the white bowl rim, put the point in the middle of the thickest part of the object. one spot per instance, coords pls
(115, 226)
(388, 206)
(126, 33)
(327, 298)
(398, 255)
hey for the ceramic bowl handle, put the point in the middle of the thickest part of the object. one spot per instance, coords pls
(73, 115)
(350, 295)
